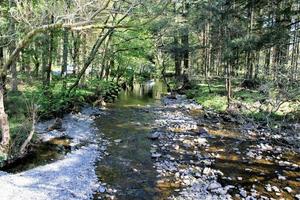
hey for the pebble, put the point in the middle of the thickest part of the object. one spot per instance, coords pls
(275, 189)
(154, 136)
(102, 189)
(155, 155)
(268, 188)
(207, 171)
(243, 192)
(178, 137)
(288, 189)
(280, 177)
(214, 185)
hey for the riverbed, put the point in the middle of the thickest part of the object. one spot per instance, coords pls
(150, 146)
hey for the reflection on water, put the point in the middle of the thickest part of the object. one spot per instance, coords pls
(231, 150)
(142, 94)
(40, 154)
(129, 167)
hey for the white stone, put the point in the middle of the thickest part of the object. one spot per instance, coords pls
(243, 192)
(213, 186)
(288, 189)
(275, 189)
(117, 140)
(155, 155)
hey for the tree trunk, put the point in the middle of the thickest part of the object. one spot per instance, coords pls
(177, 58)
(29, 138)
(267, 63)
(65, 52)
(1, 65)
(228, 83)
(4, 124)
(76, 48)
(91, 57)
(50, 54)
(12, 46)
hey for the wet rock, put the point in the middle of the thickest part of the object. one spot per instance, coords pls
(265, 147)
(101, 189)
(220, 191)
(203, 131)
(176, 147)
(207, 171)
(280, 177)
(251, 154)
(284, 163)
(248, 126)
(154, 136)
(201, 141)
(268, 188)
(57, 125)
(243, 192)
(214, 186)
(278, 194)
(229, 187)
(118, 141)
(288, 189)
(264, 197)
(155, 155)
(275, 189)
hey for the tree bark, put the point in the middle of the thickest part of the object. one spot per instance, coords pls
(4, 124)
(47, 80)
(65, 52)
(29, 138)
(12, 46)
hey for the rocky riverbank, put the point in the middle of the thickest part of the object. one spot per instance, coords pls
(72, 177)
(178, 163)
(199, 156)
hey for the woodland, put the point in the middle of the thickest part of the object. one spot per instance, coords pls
(230, 65)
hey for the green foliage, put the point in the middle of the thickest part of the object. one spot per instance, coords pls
(214, 99)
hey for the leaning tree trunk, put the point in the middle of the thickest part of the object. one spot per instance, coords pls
(90, 58)
(4, 125)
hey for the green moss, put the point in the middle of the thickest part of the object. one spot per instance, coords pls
(248, 96)
(213, 101)
(212, 96)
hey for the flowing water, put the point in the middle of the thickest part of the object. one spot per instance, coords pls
(127, 123)
(129, 168)
(40, 154)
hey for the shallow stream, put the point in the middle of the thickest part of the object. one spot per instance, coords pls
(128, 168)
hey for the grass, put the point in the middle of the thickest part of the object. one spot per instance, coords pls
(215, 98)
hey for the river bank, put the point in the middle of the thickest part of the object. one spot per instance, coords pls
(73, 176)
(147, 146)
(199, 157)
